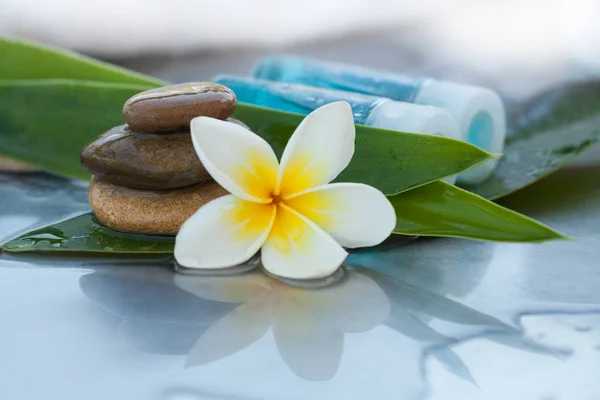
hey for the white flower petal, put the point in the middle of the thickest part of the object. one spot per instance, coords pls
(298, 249)
(356, 304)
(223, 233)
(240, 161)
(320, 148)
(355, 215)
(235, 331)
(312, 350)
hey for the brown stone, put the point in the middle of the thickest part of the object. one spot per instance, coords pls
(144, 160)
(171, 108)
(160, 212)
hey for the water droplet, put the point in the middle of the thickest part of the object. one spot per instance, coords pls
(53, 239)
(47, 236)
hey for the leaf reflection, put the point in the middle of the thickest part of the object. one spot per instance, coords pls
(308, 325)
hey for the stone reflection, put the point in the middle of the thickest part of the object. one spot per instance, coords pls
(308, 324)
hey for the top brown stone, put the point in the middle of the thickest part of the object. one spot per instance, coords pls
(171, 108)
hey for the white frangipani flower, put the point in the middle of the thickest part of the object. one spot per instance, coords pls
(289, 209)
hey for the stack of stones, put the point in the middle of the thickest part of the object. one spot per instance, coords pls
(147, 177)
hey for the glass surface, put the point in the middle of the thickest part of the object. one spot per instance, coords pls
(413, 319)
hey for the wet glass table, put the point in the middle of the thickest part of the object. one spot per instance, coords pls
(416, 319)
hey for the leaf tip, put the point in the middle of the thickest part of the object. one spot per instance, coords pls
(567, 237)
(554, 235)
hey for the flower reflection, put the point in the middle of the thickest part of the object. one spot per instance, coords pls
(308, 324)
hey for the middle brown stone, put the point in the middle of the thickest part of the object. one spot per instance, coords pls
(144, 160)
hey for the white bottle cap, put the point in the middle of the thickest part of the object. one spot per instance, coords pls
(414, 118)
(480, 115)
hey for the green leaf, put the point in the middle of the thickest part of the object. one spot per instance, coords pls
(48, 122)
(440, 209)
(85, 234)
(26, 60)
(546, 133)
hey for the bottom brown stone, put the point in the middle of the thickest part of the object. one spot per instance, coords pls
(151, 212)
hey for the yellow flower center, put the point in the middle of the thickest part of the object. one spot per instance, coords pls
(276, 199)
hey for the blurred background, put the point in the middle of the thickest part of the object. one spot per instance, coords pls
(518, 47)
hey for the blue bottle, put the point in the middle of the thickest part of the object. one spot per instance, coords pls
(479, 112)
(368, 110)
